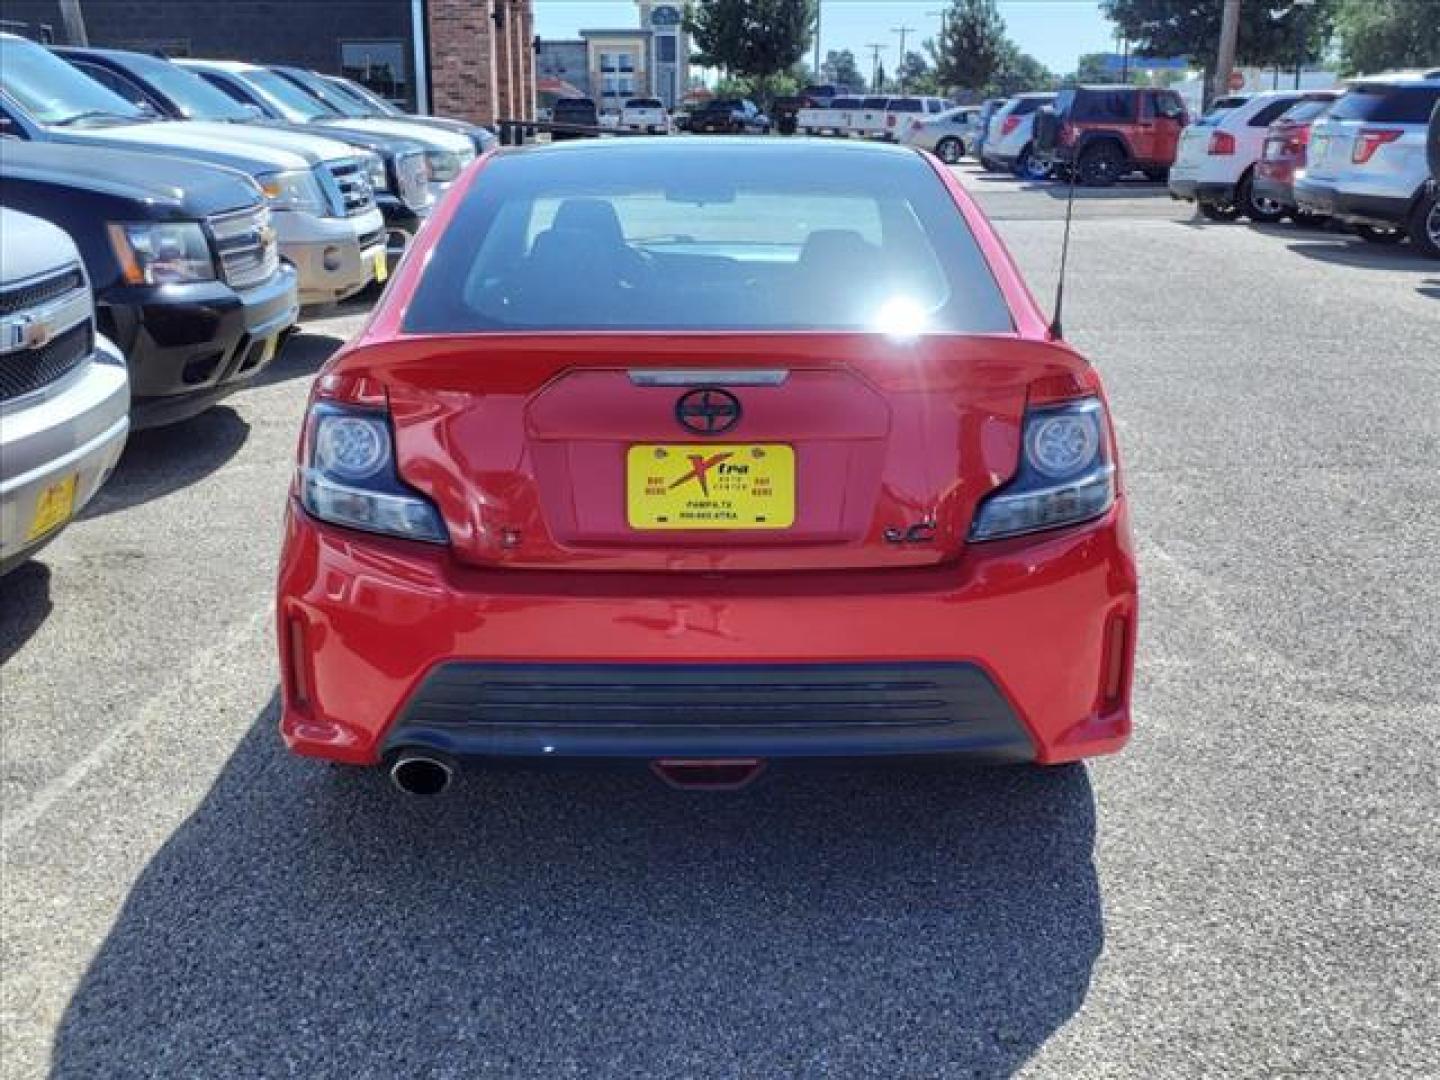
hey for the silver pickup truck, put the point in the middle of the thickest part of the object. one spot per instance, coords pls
(319, 192)
(64, 394)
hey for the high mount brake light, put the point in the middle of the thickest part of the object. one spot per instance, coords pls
(1370, 140)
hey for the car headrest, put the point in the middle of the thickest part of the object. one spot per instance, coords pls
(594, 216)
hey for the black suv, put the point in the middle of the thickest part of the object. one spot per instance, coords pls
(733, 115)
(1108, 132)
(574, 112)
(182, 257)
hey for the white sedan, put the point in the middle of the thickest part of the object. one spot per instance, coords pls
(950, 135)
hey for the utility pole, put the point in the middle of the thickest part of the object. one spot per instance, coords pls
(1229, 37)
(74, 22)
(903, 31)
(874, 65)
(1300, 10)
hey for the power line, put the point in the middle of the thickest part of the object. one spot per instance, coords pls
(903, 31)
(874, 65)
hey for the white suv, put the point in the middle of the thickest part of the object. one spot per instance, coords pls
(1009, 141)
(1215, 162)
(1366, 161)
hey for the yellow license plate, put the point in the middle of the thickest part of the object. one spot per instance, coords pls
(53, 508)
(706, 486)
(382, 268)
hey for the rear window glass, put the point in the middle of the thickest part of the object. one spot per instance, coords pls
(874, 102)
(1272, 112)
(1026, 106)
(845, 103)
(1218, 109)
(906, 104)
(1387, 104)
(1304, 111)
(1116, 105)
(736, 238)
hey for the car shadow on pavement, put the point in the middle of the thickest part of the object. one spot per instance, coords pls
(1352, 251)
(27, 604)
(311, 921)
(301, 358)
(1430, 289)
(159, 461)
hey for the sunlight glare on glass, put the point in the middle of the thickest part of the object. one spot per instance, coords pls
(901, 317)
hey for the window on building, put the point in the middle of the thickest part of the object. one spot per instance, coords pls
(627, 62)
(381, 66)
(625, 85)
(609, 62)
(665, 49)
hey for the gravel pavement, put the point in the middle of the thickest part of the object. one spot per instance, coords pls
(1249, 890)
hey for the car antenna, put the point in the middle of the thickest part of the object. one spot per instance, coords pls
(1056, 328)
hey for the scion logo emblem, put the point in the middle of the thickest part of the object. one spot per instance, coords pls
(708, 411)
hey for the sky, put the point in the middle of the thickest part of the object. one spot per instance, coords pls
(1055, 32)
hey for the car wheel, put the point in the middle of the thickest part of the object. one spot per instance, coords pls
(1102, 165)
(950, 150)
(1378, 234)
(1219, 211)
(1306, 220)
(1029, 167)
(1424, 226)
(1257, 208)
(1157, 176)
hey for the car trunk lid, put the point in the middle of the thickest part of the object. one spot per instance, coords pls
(525, 442)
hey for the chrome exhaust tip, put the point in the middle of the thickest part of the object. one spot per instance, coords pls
(421, 772)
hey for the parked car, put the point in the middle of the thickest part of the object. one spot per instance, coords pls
(397, 167)
(828, 118)
(817, 95)
(323, 208)
(988, 108)
(868, 120)
(950, 134)
(1366, 161)
(575, 113)
(279, 96)
(1009, 146)
(646, 115)
(1105, 133)
(795, 386)
(1284, 153)
(183, 260)
(64, 396)
(372, 104)
(900, 111)
(1215, 164)
(785, 111)
(731, 115)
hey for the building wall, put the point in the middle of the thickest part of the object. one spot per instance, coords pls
(567, 60)
(478, 71)
(628, 74)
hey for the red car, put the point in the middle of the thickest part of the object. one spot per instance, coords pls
(706, 455)
(1286, 145)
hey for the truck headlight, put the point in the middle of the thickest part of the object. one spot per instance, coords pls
(445, 165)
(413, 176)
(162, 252)
(375, 170)
(296, 190)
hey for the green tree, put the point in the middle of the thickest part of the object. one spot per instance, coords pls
(1270, 30)
(1380, 34)
(972, 44)
(1093, 68)
(915, 74)
(840, 67)
(882, 81)
(1018, 72)
(756, 38)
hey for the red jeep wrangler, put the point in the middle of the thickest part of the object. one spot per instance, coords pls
(1108, 132)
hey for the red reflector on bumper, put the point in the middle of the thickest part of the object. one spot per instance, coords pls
(704, 774)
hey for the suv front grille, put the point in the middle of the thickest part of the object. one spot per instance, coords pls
(31, 369)
(356, 195)
(245, 241)
(40, 292)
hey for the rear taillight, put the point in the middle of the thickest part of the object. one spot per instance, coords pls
(1370, 140)
(1221, 143)
(1065, 475)
(890, 120)
(1009, 124)
(347, 475)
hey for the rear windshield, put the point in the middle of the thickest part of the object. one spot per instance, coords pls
(1218, 109)
(845, 103)
(1302, 112)
(1382, 103)
(635, 237)
(874, 102)
(1117, 104)
(644, 103)
(1026, 106)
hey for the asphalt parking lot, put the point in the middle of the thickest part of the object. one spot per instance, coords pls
(1249, 890)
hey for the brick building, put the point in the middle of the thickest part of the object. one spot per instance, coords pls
(465, 58)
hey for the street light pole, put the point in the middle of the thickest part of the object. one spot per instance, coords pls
(1229, 37)
(1301, 9)
(874, 66)
(819, 7)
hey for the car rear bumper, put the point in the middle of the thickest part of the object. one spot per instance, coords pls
(1002, 654)
(188, 346)
(1190, 189)
(1316, 197)
(73, 429)
(1275, 187)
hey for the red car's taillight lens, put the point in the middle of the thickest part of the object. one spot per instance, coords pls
(1065, 475)
(1009, 124)
(1370, 140)
(348, 477)
(1222, 143)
